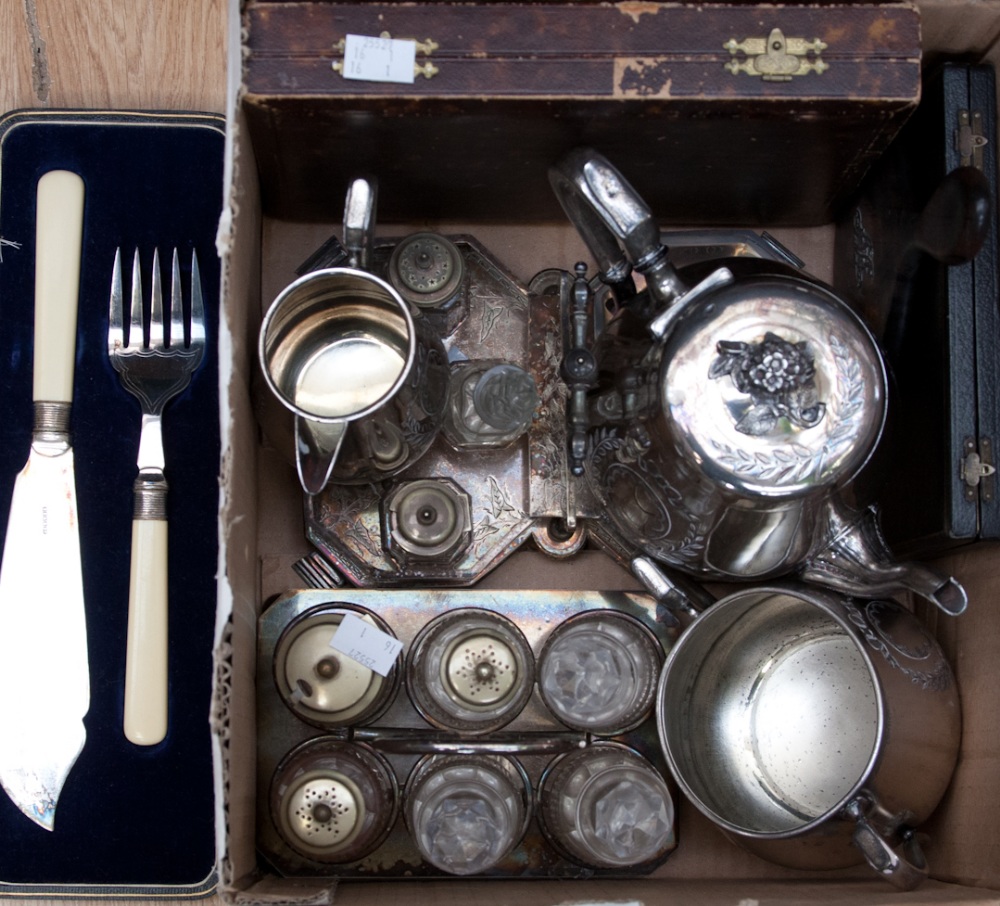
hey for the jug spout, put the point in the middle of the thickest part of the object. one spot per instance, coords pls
(857, 561)
(316, 447)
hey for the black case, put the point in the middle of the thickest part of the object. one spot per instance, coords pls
(131, 821)
(938, 321)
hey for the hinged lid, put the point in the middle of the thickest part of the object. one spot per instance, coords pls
(774, 387)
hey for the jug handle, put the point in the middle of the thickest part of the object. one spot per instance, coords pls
(317, 445)
(615, 223)
(359, 222)
(905, 870)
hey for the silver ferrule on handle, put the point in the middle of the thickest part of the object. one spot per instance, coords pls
(150, 496)
(51, 422)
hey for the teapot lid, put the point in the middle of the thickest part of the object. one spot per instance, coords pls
(774, 387)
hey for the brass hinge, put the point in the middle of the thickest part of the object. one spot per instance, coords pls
(426, 68)
(977, 469)
(969, 139)
(776, 58)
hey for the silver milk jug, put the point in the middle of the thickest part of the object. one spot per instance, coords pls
(363, 374)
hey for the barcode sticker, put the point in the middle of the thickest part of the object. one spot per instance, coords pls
(379, 59)
(366, 644)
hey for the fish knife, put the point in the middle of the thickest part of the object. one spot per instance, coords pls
(44, 673)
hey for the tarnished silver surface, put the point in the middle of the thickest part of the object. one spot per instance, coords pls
(514, 489)
(788, 712)
(427, 269)
(534, 737)
(772, 390)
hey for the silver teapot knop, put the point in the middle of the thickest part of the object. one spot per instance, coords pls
(731, 409)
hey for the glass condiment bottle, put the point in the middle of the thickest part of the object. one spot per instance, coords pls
(605, 806)
(598, 670)
(467, 812)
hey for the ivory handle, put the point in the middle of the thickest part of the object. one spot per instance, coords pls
(58, 247)
(146, 653)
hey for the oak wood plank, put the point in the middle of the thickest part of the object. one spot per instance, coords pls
(113, 54)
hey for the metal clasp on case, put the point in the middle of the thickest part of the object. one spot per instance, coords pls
(776, 58)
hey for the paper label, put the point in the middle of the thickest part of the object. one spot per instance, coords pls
(366, 644)
(379, 59)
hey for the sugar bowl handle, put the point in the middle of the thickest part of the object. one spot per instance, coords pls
(905, 869)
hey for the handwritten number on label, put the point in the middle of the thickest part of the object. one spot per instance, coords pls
(366, 644)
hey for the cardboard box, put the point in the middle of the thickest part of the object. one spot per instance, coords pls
(262, 523)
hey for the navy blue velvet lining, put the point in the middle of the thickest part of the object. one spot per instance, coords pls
(128, 815)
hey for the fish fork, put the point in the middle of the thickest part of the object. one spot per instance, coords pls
(155, 359)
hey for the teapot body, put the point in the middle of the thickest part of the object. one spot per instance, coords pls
(717, 447)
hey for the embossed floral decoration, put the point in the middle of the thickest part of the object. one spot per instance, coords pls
(777, 375)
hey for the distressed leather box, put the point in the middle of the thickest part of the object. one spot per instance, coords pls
(791, 104)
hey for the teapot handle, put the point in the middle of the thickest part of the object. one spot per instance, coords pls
(615, 223)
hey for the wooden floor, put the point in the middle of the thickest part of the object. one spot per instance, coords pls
(120, 54)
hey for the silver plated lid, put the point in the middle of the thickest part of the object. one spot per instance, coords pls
(773, 387)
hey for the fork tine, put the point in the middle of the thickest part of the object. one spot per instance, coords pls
(116, 326)
(156, 331)
(197, 305)
(176, 304)
(135, 333)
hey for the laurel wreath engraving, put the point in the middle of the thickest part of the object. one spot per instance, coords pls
(937, 680)
(796, 462)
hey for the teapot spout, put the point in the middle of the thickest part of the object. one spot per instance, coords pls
(857, 561)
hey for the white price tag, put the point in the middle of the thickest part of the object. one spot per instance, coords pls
(379, 59)
(366, 644)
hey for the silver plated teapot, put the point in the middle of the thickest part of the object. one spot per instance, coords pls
(731, 408)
